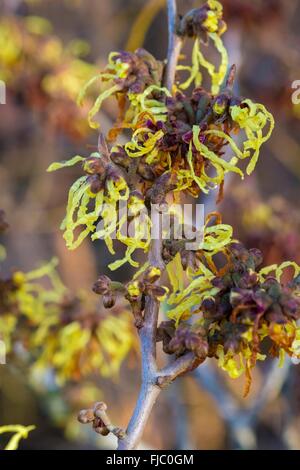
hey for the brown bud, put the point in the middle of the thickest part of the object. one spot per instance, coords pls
(99, 427)
(119, 156)
(134, 290)
(95, 184)
(94, 165)
(100, 406)
(102, 285)
(102, 430)
(109, 300)
(120, 433)
(86, 416)
(152, 274)
(146, 172)
(137, 313)
(158, 292)
(162, 186)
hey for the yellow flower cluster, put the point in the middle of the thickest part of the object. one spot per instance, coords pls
(184, 298)
(74, 348)
(106, 205)
(212, 26)
(28, 44)
(192, 288)
(73, 351)
(48, 74)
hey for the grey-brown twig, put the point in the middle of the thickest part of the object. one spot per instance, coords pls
(174, 47)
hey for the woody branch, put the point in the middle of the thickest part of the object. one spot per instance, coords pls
(154, 380)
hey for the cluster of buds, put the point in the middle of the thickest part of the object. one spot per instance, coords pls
(97, 416)
(250, 306)
(183, 339)
(77, 340)
(147, 285)
(119, 156)
(239, 305)
(108, 289)
(44, 73)
(177, 144)
(198, 126)
(175, 136)
(101, 171)
(134, 291)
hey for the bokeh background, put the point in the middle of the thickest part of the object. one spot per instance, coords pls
(40, 123)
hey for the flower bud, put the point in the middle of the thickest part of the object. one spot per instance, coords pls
(146, 172)
(109, 300)
(96, 185)
(119, 156)
(158, 292)
(99, 427)
(257, 256)
(94, 165)
(101, 430)
(99, 406)
(134, 289)
(152, 274)
(18, 278)
(248, 280)
(220, 104)
(135, 203)
(102, 285)
(86, 416)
